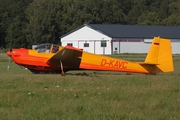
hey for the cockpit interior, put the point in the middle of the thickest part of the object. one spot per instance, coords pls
(47, 48)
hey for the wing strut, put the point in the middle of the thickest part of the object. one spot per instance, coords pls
(62, 71)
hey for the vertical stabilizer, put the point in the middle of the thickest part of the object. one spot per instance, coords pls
(160, 54)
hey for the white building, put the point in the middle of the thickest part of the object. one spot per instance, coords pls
(116, 39)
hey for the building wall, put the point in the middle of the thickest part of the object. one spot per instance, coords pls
(119, 46)
(134, 47)
(175, 46)
(130, 46)
(139, 46)
(94, 46)
(85, 33)
(92, 37)
(175, 43)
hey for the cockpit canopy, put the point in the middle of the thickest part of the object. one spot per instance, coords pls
(47, 48)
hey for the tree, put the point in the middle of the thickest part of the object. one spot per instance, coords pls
(138, 8)
(41, 22)
(11, 15)
(174, 17)
(27, 22)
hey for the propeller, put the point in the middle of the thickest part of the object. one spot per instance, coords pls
(9, 53)
(9, 59)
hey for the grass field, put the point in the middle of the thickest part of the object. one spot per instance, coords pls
(89, 95)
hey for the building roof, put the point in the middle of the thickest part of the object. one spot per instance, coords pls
(134, 31)
(137, 31)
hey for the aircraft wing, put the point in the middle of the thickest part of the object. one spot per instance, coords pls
(75, 59)
(69, 56)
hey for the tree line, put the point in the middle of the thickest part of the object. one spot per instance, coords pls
(27, 22)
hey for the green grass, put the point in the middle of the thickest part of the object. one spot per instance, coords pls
(89, 95)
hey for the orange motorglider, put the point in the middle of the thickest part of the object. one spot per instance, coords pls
(50, 58)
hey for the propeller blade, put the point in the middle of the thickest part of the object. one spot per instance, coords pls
(9, 53)
(9, 60)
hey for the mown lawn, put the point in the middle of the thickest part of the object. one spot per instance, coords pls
(89, 95)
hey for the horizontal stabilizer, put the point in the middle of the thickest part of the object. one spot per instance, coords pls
(144, 63)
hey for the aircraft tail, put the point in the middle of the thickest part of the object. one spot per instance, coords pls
(160, 56)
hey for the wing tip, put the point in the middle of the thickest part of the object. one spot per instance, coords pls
(73, 48)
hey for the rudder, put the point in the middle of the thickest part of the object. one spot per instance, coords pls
(160, 54)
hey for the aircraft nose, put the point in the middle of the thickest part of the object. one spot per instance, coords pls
(8, 53)
(13, 53)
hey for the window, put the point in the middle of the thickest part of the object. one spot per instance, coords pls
(69, 44)
(43, 48)
(86, 44)
(103, 43)
(55, 48)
